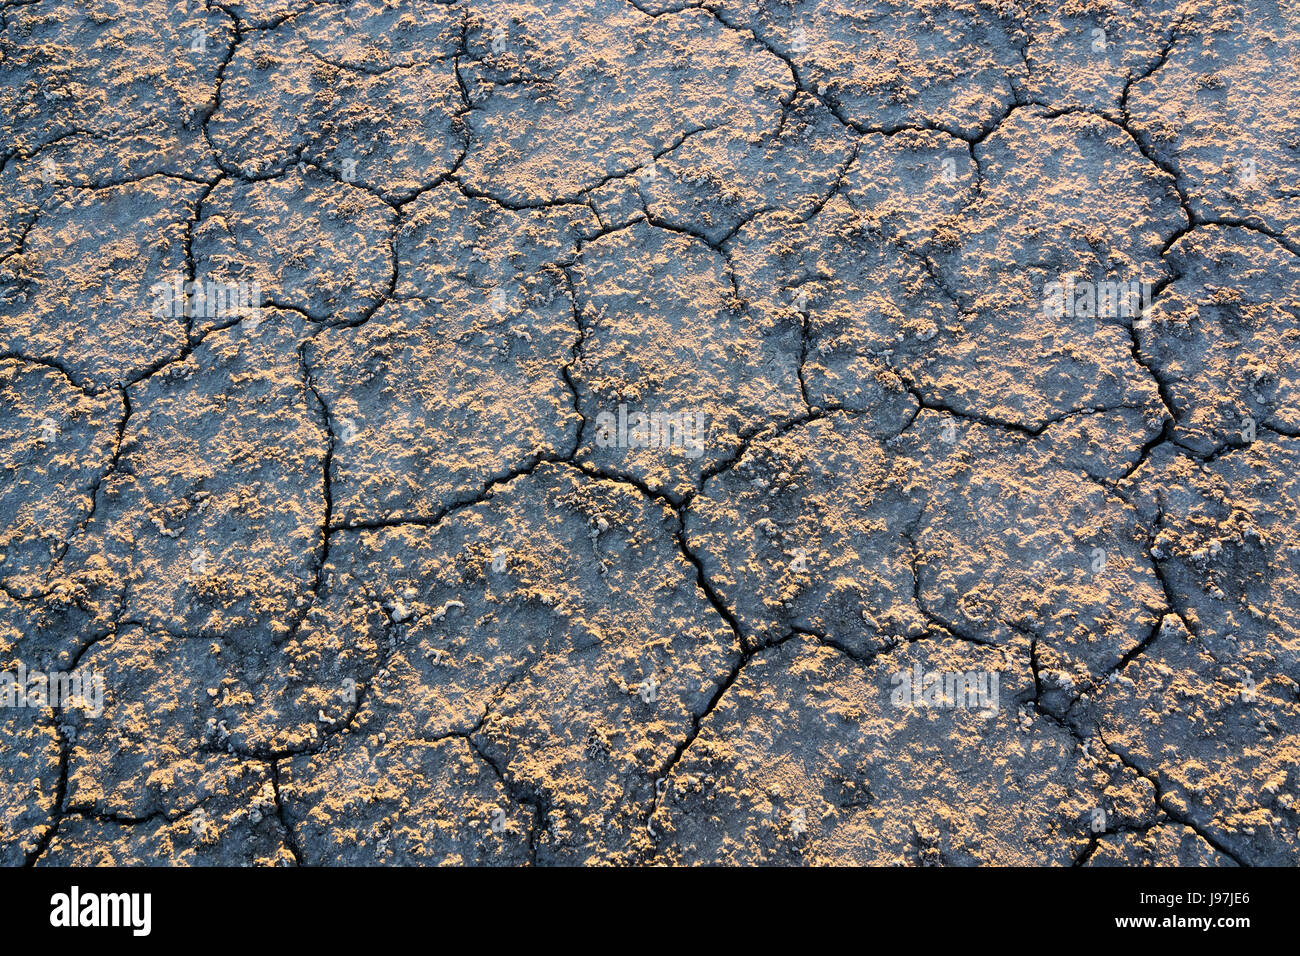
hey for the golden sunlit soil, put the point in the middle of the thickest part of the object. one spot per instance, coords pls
(649, 432)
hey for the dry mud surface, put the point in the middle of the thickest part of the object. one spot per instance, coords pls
(381, 569)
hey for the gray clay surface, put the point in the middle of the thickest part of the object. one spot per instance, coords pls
(388, 566)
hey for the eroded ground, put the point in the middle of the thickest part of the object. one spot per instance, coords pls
(934, 556)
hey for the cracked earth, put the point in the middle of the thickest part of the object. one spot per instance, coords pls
(363, 575)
